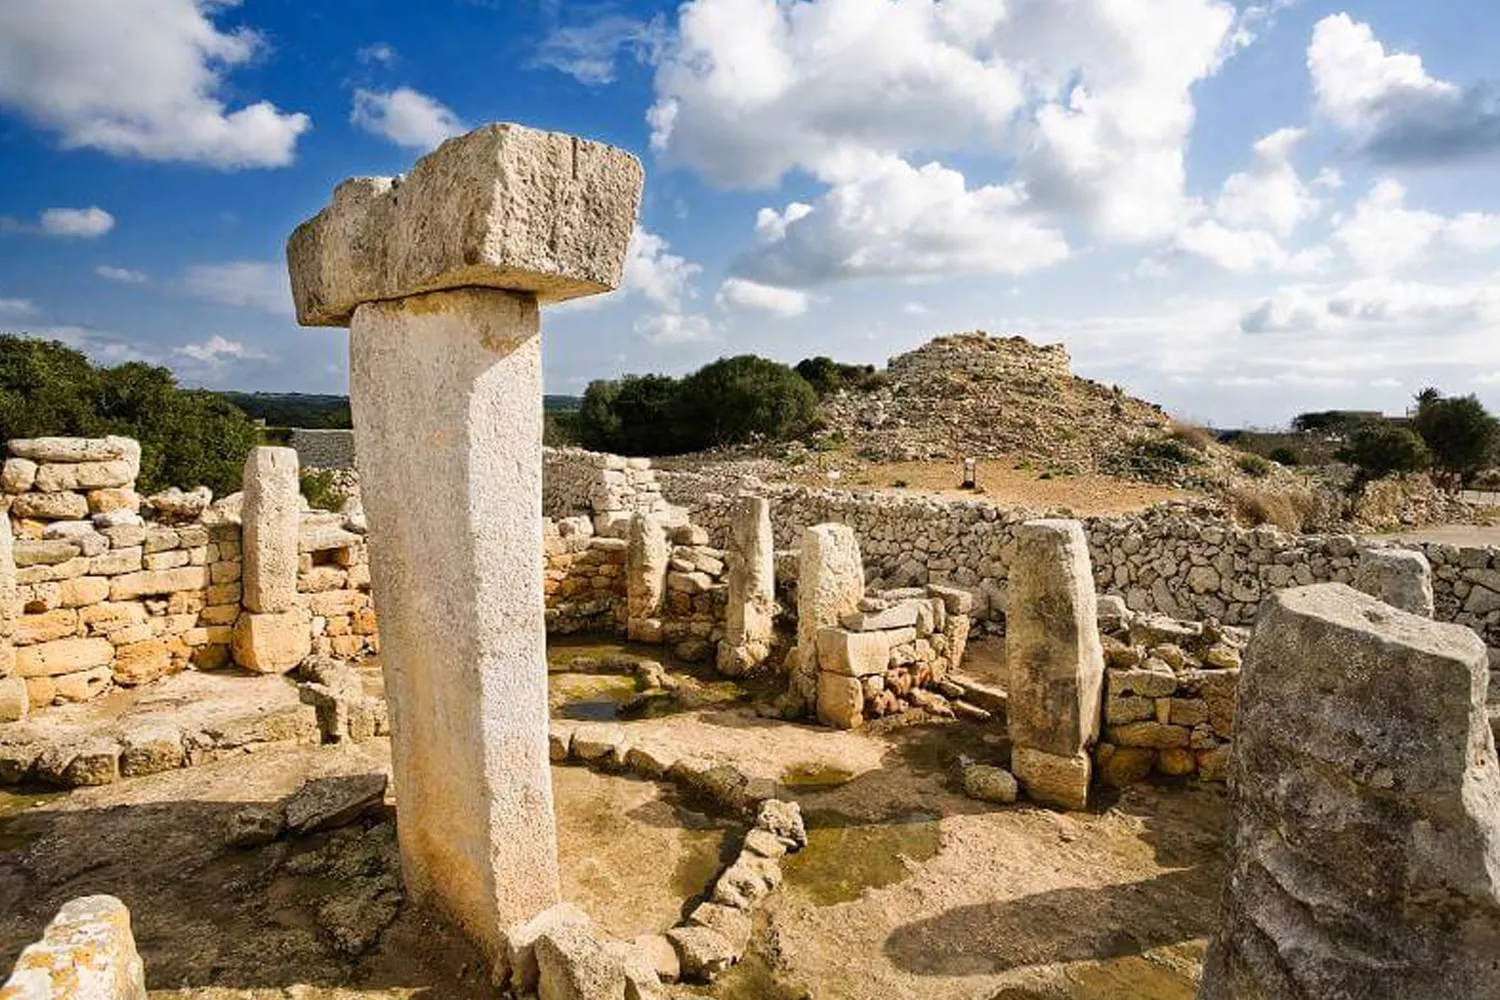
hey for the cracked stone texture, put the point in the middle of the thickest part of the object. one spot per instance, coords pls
(504, 206)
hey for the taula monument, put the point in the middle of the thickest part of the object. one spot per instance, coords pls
(440, 276)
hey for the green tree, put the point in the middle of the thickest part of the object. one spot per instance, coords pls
(598, 425)
(188, 438)
(1459, 431)
(734, 399)
(1378, 449)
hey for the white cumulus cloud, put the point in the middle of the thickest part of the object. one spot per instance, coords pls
(80, 223)
(217, 350)
(1270, 193)
(251, 284)
(17, 307)
(888, 219)
(406, 117)
(1388, 101)
(124, 275)
(738, 293)
(590, 52)
(141, 79)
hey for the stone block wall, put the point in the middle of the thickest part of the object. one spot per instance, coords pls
(333, 578)
(606, 488)
(102, 596)
(1188, 561)
(323, 449)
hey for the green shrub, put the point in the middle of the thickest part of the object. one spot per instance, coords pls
(321, 491)
(1460, 433)
(188, 437)
(1253, 465)
(1378, 449)
(1286, 456)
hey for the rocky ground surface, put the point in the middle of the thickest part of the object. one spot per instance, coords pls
(907, 887)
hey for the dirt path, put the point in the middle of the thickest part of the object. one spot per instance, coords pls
(908, 888)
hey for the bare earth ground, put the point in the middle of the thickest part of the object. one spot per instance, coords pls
(1003, 483)
(1451, 534)
(908, 888)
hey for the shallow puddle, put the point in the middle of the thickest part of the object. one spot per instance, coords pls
(18, 827)
(751, 979)
(845, 856)
(815, 777)
(587, 683)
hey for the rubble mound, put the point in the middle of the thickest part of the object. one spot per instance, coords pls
(974, 395)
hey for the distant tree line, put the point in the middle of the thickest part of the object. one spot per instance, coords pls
(188, 437)
(294, 409)
(729, 401)
(1453, 436)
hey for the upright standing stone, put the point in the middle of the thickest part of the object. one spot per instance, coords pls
(830, 583)
(1056, 661)
(273, 635)
(1365, 848)
(646, 556)
(441, 277)
(14, 703)
(269, 517)
(750, 619)
(1401, 578)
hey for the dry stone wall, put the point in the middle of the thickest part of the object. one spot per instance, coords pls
(605, 488)
(1184, 560)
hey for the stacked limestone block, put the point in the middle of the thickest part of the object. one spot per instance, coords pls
(895, 650)
(14, 701)
(1184, 560)
(333, 581)
(697, 587)
(1169, 696)
(607, 488)
(103, 597)
(583, 581)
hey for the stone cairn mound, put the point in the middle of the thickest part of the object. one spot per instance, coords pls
(975, 395)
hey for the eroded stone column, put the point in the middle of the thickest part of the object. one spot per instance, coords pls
(1364, 851)
(14, 703)
(1401, 578)
(441, 278)
(272, 636)
(750, 618)
(1055, 660)
(830, 583)
(646, 557)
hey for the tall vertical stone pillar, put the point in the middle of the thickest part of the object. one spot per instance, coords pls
(1055, 660)
(830, 583)
(646, 556)
(751, 612)
(272, 636)
(1364, 849)
(440, 278)
(14, 704)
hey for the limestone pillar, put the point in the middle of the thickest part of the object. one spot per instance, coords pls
(14, 703)
(751, 612)
(440, 278)
(646, 556)
(830, 583)
(1364, 849)
(1055, 660)
(273, 634)
(1401, 578)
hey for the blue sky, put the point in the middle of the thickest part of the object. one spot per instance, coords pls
(1240, 210)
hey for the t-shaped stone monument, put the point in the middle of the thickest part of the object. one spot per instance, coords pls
(439, 275)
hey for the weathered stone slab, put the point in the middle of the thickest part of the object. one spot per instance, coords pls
(63, 449)
(830, 582)
(853, 654)
(1052, 640)
(1365, 848)
(269, 522)
(750, 613)
(63, 656)
(1401, 578)
(86, 953)
(272, 643)
(504, 207)
(1053, 779)
(646, 557)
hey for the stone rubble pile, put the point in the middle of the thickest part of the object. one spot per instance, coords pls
(1169, 696)
(972, 395)
(606, 488)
